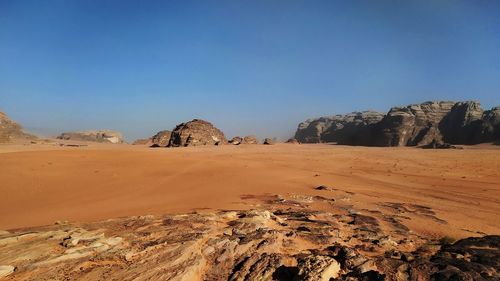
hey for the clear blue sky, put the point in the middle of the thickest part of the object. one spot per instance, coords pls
(250, 67)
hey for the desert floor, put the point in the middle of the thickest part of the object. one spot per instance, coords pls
(440, 192)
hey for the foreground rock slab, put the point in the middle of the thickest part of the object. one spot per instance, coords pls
(276, 243)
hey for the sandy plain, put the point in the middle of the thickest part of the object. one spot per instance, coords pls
(440, 192)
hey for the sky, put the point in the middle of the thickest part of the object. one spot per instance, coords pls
(249, 67)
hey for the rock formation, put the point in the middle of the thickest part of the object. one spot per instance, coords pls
(251, 139)
(161, 139)
(102, 136)
(11, 131)
(438, 123)
(293, 141)
(196, 132)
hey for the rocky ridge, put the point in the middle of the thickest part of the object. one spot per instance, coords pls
(438, 122)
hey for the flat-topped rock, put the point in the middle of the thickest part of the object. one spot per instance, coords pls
(102, 136)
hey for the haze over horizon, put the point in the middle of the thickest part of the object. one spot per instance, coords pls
(249, 67)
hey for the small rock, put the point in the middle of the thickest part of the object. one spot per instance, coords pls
(268, 141)
(6, 270)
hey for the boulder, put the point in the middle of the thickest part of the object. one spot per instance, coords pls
(196, 132)
(251, 139)
(268, 141)
(102, 136)
(293, 141)
(11, 131)
(161, 139)
(236, 140)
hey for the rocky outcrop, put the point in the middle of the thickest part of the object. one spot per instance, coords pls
(293, 141)
(345, 129)
(437, 122)
(251, 139)
(262, 244)
(11, 131)
(196, 132)
(102, 136)
(161, 139)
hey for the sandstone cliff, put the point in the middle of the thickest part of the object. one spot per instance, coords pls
(413, 125)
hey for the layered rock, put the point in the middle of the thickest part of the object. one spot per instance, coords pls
(196, 132)
(11, 131)
(102, 136)
(427, 124)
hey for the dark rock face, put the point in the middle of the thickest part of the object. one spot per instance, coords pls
(437, 122)
(462, 125)
(161, 138)
(250, 140)
(196, 132)
(103, 136)
(345, 129)
(10, 130)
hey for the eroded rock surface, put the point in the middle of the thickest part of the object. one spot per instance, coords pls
(196, 132)
(103, 136)
(282, 240)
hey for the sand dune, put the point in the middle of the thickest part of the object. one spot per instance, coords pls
(459, 188)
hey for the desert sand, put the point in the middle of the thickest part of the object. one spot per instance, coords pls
(42, 184)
